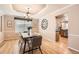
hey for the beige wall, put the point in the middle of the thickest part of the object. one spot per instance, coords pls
(8, 24)
(49, 14)
(49, 33)
(73, 33)
(74, 27)
(35, 25)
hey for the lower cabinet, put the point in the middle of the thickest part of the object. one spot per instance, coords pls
(64, 33)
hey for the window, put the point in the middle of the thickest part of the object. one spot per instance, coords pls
(21, 25)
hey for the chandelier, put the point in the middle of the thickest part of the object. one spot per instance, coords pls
(29, 19)
(28, 13)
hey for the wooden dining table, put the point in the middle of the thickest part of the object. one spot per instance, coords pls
(26, 39)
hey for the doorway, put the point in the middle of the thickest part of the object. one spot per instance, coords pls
(61, 27)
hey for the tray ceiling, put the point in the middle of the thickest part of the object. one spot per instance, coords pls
(34, 8)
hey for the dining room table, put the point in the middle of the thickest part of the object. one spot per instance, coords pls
(26, 39)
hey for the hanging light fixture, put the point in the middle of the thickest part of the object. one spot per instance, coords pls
(28, 17)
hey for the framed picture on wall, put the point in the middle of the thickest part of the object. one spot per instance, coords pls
(9, 23)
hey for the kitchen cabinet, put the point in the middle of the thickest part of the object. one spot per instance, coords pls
(64, 33)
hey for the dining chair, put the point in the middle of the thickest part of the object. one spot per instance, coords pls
(36, 42)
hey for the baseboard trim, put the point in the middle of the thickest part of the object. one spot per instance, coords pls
(48, 39)
(73, 49)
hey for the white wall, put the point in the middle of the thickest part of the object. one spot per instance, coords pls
(73, 29)
(49, 33)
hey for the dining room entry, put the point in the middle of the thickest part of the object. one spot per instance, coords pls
(61, 27)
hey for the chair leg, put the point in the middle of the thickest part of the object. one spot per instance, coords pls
(28, 45)
(40, 50)
(32, 51)
(24, 47)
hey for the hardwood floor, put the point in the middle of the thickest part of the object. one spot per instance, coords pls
(59, 47)
(48, 47)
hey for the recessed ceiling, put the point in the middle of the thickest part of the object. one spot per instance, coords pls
(34, 8)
